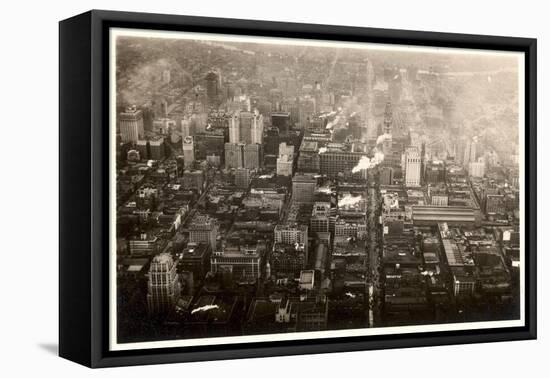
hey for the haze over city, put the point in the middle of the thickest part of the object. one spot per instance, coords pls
(267, 188)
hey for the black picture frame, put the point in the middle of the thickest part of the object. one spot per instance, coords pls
(84, 190)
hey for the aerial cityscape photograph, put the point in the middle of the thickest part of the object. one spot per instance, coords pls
(266, 187)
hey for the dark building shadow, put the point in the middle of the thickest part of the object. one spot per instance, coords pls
(52, 348)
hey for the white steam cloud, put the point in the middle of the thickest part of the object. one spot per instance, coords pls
(382, 138)
(349, 200)
(204, 308)
(368, 163)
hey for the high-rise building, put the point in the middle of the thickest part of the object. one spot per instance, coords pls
(257, 132)
(412, 167)
(281, 121)
(234, 155)
(386, 176)
(470, 152)
(337, 161)
(188, 146)
(208, 144)
(290, 250)
(272, 141)
(388, 119)
(203, 229)
(284, 165)
(246, 120)
(196, 258)
(240, 262)
(303, 188)
(163, 289)
(156, 148)
(193, 180)
(291, 235)
(185, 127)
(234, 129)
(242, 178)
(285, 161)
(253, 156)
(131, 125)
(212, 88)
(143, 147)
(320, 217)
(476, 169)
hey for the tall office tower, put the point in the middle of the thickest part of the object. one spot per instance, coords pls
(185, 127)
(470, 152)
(423, 162)
(291, 235)
(163, 289)
(476, 168)
(412, 167)
(188, 146)
(242, 178)
(285, 161)
(203, 229)
(253, 156)
(281, 121)
(320, 217)
(131, 125)
(272, 141)
(142, 146)
(156, 148)
(303, 188)
(234, 155)
(212, 88)
(388, 118)
(257, 131)
(234, 129)
(368, 119)
(466, 153)
(245, 122)
(284, 165)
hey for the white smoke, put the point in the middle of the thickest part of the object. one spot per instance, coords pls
(382, 138)
(204, 308)
(351, 295)
(368, 163)
(349, 200)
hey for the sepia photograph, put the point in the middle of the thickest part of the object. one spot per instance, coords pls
(268, 189)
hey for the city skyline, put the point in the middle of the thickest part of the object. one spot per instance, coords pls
(286, 187)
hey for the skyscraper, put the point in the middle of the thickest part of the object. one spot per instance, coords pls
(156, 148)
(242, 178)
(234, 129)
(285, 160)
(253, 156)
(131, 125)
(188, 146)
(234, 155)
(185, 127)
(163, 289)
(281, 120)
(257, 131)
(412, 167)
(303, 188)
(470, 152)
(203, 230)
(246, 119)
(212, 88)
